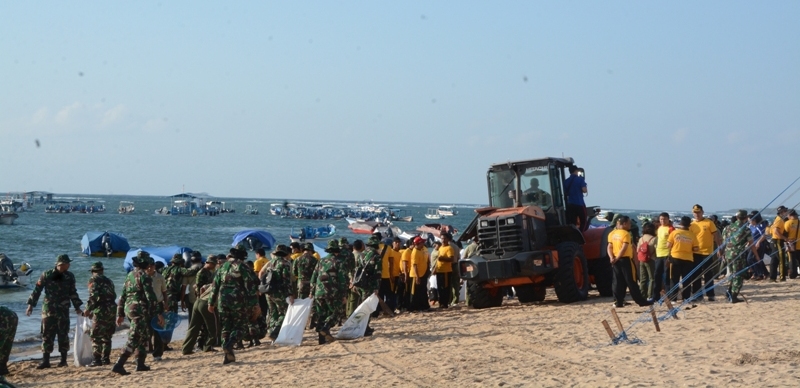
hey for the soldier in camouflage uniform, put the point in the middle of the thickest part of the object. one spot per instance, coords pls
(59, 290)
(102, 307)
(8, 329)
(737, 235)
(281, 267)
(370, 280)
(233, 296)
(138, 302)
(328, 288)
(174, 275)
(203, 324)
(303, 268)
(348, 264)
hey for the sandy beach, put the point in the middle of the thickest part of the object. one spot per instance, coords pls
(548, 344)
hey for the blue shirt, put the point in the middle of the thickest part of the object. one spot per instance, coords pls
(573, 186)
(757, 231)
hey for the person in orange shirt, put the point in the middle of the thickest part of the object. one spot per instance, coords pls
(778, 263)
(620, 251)
(682, 244)
(443, 269)
(708, 238)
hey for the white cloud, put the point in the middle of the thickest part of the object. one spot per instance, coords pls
(67, 113)
(113, 115)
(40, 117)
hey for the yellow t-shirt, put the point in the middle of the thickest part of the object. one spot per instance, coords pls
(259, 263)
(444, 266)
(385, 269)
(704, 231)
(418, 257)
(619, 237)
(682, 243)
(792, 227)
(662, 234)
(405, 257)
(294, 256)
(777, 229)
(316, 256)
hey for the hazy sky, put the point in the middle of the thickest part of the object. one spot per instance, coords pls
(665, 105)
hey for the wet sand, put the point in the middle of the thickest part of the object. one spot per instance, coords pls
(544, 344)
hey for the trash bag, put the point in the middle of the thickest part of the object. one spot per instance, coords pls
(82, 345)
(356, 325)
(294, 323)
(171, 321)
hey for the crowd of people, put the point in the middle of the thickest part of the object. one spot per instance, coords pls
(231, 300)
(685, 256)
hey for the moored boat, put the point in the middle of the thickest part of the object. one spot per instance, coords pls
(447, 210)
(104, 244)
(7, 215)
(310, 233)
(14, 277)
(126, 207)
(433, 214)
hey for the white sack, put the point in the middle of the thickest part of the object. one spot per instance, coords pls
(356, 325)
(82, 344)
(294, 323)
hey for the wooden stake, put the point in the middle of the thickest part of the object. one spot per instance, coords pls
(669, 306)
(616, 319)
(655, 320)
(608, 329)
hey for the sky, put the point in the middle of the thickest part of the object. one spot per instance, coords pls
(664, 104)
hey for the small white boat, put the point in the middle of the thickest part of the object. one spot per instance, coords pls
(7, 215)
(433, 214)
(22, 278)
(447, 210)
(645, 217)
(310, 233)
(126, 207)
(250, 209)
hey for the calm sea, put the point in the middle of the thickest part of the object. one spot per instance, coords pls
(38, 237)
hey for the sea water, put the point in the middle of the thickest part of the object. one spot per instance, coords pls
(38, 237)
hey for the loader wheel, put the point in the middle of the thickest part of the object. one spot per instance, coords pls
(481, 298)
(528, 293)
(572, 279)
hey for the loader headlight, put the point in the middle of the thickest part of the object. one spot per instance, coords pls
(510, 221)
(484, 223)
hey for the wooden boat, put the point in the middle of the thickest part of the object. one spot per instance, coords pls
(361, 227)
(433, 214)
(126, 207)
(310, 233)
(104, 244)
(21, 277)
(447, 210)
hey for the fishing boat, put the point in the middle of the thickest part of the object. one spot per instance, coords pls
(433, 214)
(437, 229)
(310, 233)
(361, 227)
(104, 244)
(7, 215)
(250, 209)
(126, 207)
(447, 210)
(645, 217)
(14, 277)
(397, 215)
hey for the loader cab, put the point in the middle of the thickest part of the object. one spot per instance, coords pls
(531, 183)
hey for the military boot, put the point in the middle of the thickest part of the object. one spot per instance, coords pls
(140, 366)
(63, 361)
(326, 332)
(96, 360)
(735, 298)
(119, 367)
(45, 361)
(107, 357)
(321, 338)
(3, 370)
(229, 356)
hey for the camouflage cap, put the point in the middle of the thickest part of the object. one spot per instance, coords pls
(98, 266)
(343, 241)
(309, 247)
(373, 242)
(177, 259)
(238, 253)
(211, 259)
(63, 258)
(143, 257)
(281, 250)
(333, 245)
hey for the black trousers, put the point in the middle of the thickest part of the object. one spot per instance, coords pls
(624, 274)
(778, 263)
(401, 293)
(443, 286)
(576, 214)
(662, 279)
(386, 294)
(705, 274)
(679, 269)
(793, 261)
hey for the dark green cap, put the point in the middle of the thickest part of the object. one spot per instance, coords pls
(63, 258)
(98, 266)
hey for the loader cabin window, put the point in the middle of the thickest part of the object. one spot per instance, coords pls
(536, 190)
(502, 186)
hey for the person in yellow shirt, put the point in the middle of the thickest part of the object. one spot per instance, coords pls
(620, 252)
(261, 260)
(443, 269)
(792, 229)
(386, 290)
(661, 265)
(682, 244)
(778, 263)
(418, 276)
(297, 251)
(708, 238)
(404, 285)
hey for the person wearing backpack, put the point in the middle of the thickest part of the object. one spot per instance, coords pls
(645, 254)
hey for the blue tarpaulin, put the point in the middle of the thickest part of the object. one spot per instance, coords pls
(92, 243)
(266, 239)
(162, 254)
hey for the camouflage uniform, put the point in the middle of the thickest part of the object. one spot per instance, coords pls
(371, 265)
(302, 269)
(101, 303)
(8, 329)
(234, 299)
(328, 286)
(282, 268)
(204, 277)
(737, 238)
(138, 302)
(174, 275)
(348, 265)
(59, 291)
